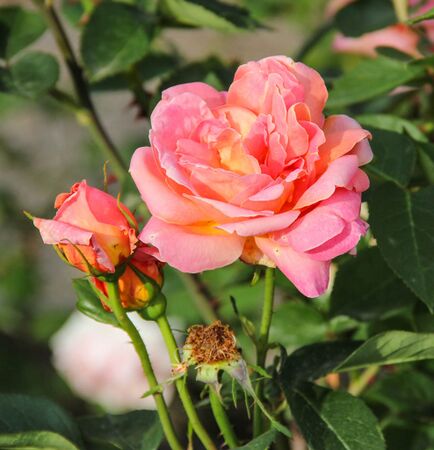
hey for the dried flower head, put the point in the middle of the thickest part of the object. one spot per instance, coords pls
(211, 344)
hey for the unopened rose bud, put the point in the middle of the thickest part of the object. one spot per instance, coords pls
(134, 289)
(91, 229)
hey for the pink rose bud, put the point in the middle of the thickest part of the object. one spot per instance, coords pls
(134, 293)
(90, 230)
(256, 173)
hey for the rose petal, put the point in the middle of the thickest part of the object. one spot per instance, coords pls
(339, 174)
(261, 225)
(192, 249)
(162, 201)
(309, 276)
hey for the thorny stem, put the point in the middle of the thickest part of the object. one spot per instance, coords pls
(222, 419)
(183, 392)
(262, 345)
(88, 115)
(130, 329)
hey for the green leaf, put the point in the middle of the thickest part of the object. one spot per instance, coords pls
(394, 156)
(89, 304)
(366, 288)
(315, 361)
(426, 155)
(403, 224)
(370, 79)
(334, 420)
(114, 39)
(136, 430)
(208, 13)
(426, 16)
(407, 391)
(392, 123)
(35, 440)
(362, 17)
(391, 347)
(18, 29)
(32, 75)
(296, 324)
(19, 413)
(261, 442)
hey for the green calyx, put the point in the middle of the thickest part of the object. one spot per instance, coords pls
(155, 309)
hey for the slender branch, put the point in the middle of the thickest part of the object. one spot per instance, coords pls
(184, 395)
(201, 295)
(262, 345)
(81, 88)
(128, 326)
(401, 9)
(360, 383)
(222, 420)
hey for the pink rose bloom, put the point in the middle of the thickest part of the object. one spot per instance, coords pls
(89, 223)
(100, 364)
(256, 173)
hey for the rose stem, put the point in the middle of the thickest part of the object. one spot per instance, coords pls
(139, 345)
(262, 345)
(87, 115)
(184, 395)
(222, 420)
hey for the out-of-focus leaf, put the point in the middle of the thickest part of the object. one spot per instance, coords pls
(208, 13)
(370, 79)
(19, 413)
(261, 442)
(89, 304)
(73, 11)
(407, 391)
(403, 224)
(333, 420)
(18, 29)
(392, 123)
(315, 361)
(32, 75)
(366, 288)
(136, 430)
(35, 440)
(364, 16)
(114, 38)
(296, 323)
(394, 156)
(402, 435)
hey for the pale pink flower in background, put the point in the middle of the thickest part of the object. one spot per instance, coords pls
(101, 366)
(400, 37)
(257, 173)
